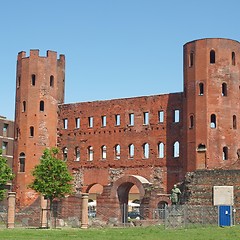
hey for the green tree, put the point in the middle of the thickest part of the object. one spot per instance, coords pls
(5, 175)
(51, 177)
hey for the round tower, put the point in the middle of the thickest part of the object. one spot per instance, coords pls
(39, 90)
(211, 103)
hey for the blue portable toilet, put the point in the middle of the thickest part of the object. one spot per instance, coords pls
(225, 216)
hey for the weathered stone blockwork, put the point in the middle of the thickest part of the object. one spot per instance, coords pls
(198, 186)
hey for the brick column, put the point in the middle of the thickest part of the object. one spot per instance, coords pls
(44, 212)
(84, 223)
(11, 209)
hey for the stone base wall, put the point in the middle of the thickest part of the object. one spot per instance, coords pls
(197, 186)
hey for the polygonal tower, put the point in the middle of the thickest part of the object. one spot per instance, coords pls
(211, 103)
(39, 90)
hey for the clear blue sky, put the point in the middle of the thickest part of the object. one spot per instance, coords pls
(113, 48)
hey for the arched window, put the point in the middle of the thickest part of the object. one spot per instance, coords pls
(131, 151)
(51, 81)
(41, 106)
(22, 159)
(77, 153)
(213, 123)
(233, 59)
(19, 82)
(191, 121)
(90, 153)
(65, 154)
(33, 79)
(212, 56)
(234, 122)
(176, 149)
(104, 152)
(24, 106)
(225, 153)
(17, 133)
(201, 147)
(145, 150)
(31, 131)
(117, 151)
(224, 89)
(161, 150)
(201, 89)
(191, 59)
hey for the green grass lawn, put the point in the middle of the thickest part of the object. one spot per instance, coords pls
(136, 233)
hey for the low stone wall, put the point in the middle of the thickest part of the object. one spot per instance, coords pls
(197, 188)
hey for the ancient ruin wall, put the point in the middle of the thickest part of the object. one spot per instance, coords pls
(105, 168)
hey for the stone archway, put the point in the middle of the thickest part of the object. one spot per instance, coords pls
(94, 190)
(116, 194)
(129, 180)
(121, 189)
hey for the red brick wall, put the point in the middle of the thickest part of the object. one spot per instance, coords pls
(202, 106)
(44, 120)
(97, 171)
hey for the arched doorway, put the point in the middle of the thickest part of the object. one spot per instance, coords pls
(134, 203)
(123, 186)
(123, 196)
(94, 191)
(161, 209)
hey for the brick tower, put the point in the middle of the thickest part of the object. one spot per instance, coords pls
(211, 103)
(39, 90)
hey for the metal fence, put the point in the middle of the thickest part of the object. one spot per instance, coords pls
(186, 216)
(175, 216)
(3, 216)
(28, 217)
(38, 217)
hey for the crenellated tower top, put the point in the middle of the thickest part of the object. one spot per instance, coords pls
(34, 53)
